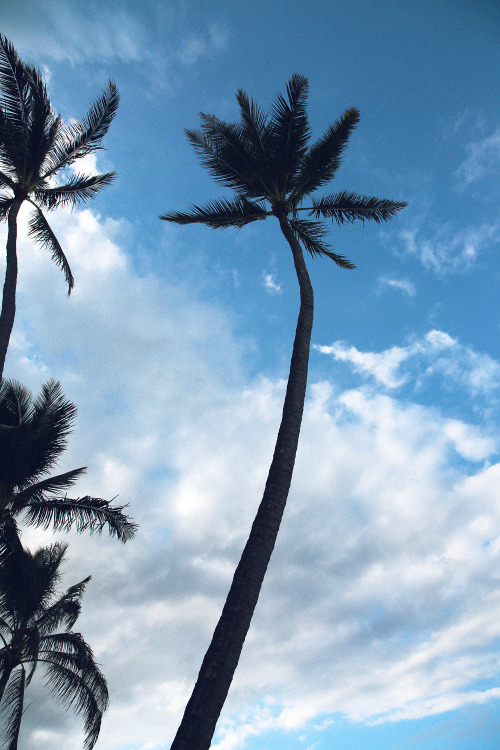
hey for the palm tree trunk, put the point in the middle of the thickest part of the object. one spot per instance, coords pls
(9, 288)
(219, 665)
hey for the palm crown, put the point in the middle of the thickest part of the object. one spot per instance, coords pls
(35, 146)
(32, 437)
(267, 161)
(30, 614)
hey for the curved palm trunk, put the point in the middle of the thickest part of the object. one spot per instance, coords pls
(219, 665)
(9, 288)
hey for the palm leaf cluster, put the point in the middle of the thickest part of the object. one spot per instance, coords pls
(267, 160)
(31, 612)
(33, 434)
(35, 146)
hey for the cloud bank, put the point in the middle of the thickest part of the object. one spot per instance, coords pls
(381, 601)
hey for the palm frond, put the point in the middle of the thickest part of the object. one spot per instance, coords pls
(79, 189)
(83, 136)
(12, 707)
(45, 570)
(5, 204)
(41, 232)
(324, 157)
(51, 485)
(257, 137)
(65, 611)
(347, 207)
(16, 403)
(31, 646)
(15, 84)
(6, 181)
(42, 125)
(290, 130)
(33, 432)
(10, 547)
(5, 628)
(84, 691)
(13, 140)
(311, 234)
(220, 214)
(87, 513)
(223, 149)
(52, 408)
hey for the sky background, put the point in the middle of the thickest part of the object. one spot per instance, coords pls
(378, 624)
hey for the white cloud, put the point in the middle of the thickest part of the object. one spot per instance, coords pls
(270, 284)
(381, 599)
(402, 285)
(382, 366)
(423, 359)
(483, 159)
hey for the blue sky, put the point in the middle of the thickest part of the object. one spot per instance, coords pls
(379, 621)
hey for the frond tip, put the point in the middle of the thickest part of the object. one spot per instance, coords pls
(41, 232)
(91, 514)
(311, 234)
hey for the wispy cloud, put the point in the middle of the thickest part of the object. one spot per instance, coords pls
(73, 32)
(92, 31)
(482, 159)
(422, 359)
(401, 285)
(196, 46)
(450, 251)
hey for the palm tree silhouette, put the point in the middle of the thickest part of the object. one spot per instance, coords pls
(34, 148)
(267, 162)
(32, 437)
(30, 614)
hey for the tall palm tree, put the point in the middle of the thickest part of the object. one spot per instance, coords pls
(31, 611)
(267, 162)
(32, 437)
(34, 148)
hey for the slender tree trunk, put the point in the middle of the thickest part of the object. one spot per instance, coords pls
(219, 665)
(9, 288)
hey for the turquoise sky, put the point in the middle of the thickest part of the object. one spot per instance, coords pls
(379, 621)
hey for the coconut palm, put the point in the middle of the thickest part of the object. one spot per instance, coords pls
(34, 148)
(31, 612)
(33, 435)
(268, 163)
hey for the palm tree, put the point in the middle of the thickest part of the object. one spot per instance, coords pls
(34, 148)
(266, 161)
(32, 437)
(31, 611)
